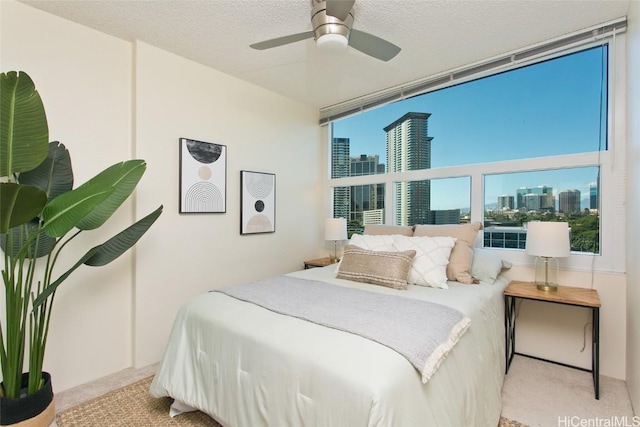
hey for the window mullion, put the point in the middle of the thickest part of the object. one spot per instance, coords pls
(477, 197)
(521, 165)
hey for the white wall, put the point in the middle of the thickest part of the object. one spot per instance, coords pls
(633, 207)
(109, 100)
(189, 254)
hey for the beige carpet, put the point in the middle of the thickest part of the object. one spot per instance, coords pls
(547, 395)
(129, 406)
(133, 406)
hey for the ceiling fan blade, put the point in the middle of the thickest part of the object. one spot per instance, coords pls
(372, 45)
(279, 41)
(339, 8)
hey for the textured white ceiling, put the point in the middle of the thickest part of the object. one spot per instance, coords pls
(435, 36)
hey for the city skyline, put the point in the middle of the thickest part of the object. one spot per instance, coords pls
(408, 147)
(514, 118)
(567, 197)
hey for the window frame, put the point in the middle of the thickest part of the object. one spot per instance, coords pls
(612, 163)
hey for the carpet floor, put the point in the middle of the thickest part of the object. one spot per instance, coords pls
(132, 405)
(128, 406)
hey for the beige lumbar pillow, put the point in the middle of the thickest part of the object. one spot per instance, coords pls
(389, 269)
(459, 267)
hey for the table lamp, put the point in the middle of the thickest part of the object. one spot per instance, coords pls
(335, 229)
(547, 241)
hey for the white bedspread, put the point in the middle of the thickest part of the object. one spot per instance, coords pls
(248, 366)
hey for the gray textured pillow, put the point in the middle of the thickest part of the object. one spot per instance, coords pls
(487, 264)
(388, 269)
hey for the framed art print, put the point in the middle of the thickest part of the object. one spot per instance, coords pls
(258, 202)
(203, 177)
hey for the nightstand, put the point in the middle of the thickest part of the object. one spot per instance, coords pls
(320, 262)
(566, 295)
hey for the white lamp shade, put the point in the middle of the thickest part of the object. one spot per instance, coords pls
(548, 239)
(335, 229)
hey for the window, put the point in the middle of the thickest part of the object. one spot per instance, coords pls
(531, 143)
(434, 201)
(360, 205)
(511, 200)
(550, 108)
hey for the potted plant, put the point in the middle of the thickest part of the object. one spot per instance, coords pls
(40, 215)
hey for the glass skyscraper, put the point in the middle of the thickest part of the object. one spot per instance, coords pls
(409, 148)
(569, 201)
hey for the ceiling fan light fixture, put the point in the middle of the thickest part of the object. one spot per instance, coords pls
(332, 42)
(332, 22)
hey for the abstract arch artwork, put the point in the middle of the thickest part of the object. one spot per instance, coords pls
(258, 202)
(203, 177)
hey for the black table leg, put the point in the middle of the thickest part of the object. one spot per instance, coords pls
(509, 330)
(595, 356)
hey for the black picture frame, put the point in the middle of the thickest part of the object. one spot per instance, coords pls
(257, 202)
(203, 177)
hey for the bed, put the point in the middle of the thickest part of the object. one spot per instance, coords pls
(246, 365)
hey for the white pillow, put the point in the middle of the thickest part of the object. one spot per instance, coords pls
(373, 242)
(486, 265)
(429, 266)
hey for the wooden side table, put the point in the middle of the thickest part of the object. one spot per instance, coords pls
(320, 262)
(567, 295)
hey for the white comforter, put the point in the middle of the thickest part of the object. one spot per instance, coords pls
(247, 366)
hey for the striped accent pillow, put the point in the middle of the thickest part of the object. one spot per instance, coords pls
(388, 269)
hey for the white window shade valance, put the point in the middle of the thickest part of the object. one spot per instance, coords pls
(490, 66)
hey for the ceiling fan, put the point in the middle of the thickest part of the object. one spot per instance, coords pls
(332, 22)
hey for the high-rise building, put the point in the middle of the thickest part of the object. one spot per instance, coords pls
(364, 197)
(340, 161)
(341, 202)
(365, 165)
(505, 202)
(352, 202)
(547, 202)
(539, 190)
(531, 202)
(409, 148)
(569, 201)
(593, 195)
(340, 168)
(444, 216)
(538, 202)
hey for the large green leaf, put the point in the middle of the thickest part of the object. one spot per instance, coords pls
(39, 247)
(24, 133)
(123, 177)
(105, 253)
(121, 242)
(65, 211)
(54, 175)
(19, 204)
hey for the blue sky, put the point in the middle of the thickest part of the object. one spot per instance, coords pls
(546, 109)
